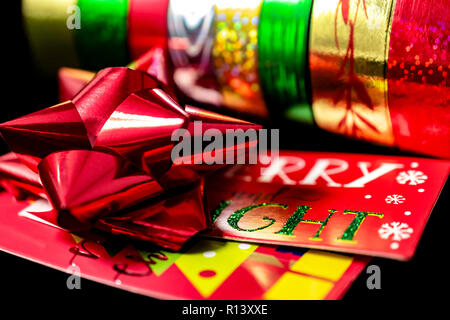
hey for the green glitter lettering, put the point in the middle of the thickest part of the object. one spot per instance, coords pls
(297, 217)
(351, 230)
(234, 219)
(218, 210)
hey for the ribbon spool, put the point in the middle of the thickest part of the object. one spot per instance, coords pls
(235, 55)
(393, 89)
(87, 33)
(418, 66)
(283, 53)
(51, 41)
(147, 25)
(190, 30)
(102, 39)
(348, 55)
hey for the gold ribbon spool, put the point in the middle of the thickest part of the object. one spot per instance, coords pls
(51, 40)
(349, 47)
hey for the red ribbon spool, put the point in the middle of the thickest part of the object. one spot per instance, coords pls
(147, 25)
(418, 66)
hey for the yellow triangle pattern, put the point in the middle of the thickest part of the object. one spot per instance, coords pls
(209, 263)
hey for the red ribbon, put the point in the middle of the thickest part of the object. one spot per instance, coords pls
(104, 159)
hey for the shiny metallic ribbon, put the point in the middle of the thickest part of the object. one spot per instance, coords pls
(153, 62)
(235, 55)
(108, 150)
(418, 67)
(190, 30)
(283, 55)
(102, 39)
(51, 41)
(348, 56)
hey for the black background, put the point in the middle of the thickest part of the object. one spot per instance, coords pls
(424, 278)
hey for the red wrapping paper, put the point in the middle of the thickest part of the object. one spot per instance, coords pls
(109, 149)
(418, 66)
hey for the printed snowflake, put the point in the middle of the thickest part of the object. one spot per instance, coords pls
(412, 176)
(395, 199)
(398, 231)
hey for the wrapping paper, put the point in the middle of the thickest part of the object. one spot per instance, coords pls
(363, 204)
(109, 149)
(206, 269)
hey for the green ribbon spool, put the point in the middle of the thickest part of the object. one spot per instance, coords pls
(283, 57)
(102, 39)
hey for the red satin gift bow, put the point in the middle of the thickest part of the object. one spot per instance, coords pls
(103, 159)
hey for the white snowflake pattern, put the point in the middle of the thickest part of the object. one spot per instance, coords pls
(395, 199)
(412, 176)
(397, 230)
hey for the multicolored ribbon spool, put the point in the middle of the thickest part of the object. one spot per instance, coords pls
(283, 53)
(91, 33)
(417, 73)
(379, 68)
(235, 55)
(379, 71)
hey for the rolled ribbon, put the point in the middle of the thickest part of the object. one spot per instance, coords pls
(283, 55)
(418, 67)
(104, 159)
(348, 56)
(235, 55)
(147, 25)
(190, 47)
(102, 39)
(51, 40)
